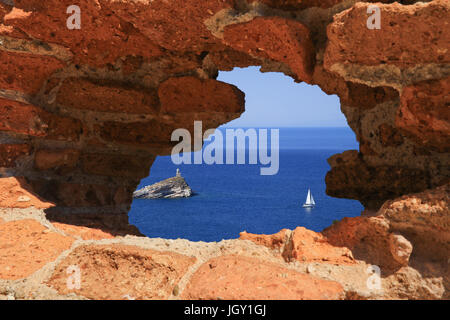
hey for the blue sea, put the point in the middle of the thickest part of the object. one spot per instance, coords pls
(233, 198)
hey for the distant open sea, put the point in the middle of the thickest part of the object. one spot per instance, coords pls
(234, 198)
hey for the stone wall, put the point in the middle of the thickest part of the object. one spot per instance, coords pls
(407, 239)
(83, 113)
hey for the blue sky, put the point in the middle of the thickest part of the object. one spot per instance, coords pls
(275, 100)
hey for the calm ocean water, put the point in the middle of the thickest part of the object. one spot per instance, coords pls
(234, 198)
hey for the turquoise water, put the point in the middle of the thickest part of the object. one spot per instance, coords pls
(234, 198)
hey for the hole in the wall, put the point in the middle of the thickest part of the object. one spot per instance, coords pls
(234, 198)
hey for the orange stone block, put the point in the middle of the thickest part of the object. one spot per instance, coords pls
(15, 192)
(275, 38)
(26, 72)
(31, 120)
(190, 94)
(122, 272)
(424, 113)
(236, 277)
(272, 241)
(303, 245)
(26, 246)
(107, 96)
(397, 42)
(310, 246)
(84, 233)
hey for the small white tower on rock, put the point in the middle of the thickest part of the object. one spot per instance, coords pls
(178, 173)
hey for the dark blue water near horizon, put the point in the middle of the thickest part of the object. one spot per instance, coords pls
(234, 198)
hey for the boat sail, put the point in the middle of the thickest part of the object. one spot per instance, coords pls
(309, 200)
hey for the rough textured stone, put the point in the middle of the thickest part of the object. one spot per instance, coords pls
(423, 218)
(28, 119)
(181, 28)
(114, 271)
(138, 70)
(10, 153)
(228, 59)
(101, 40)
(64, 159)
(116, 165)
(303, 245)
(88, 221)
(401, 248)
(106, 97)
(352, 177)
(26, 246)
(389, 136)
(273, 241)
(366, 237)
(397, 42)
(135, 133)
(310, 246)
(352, 94)
(298, 4)
(83, 233)
(189, 94)
(275, 38)
(83, 113)
(4, 9)
(17, 193)
(424, 112)
(68, 194)
(16, 68)
(237, 277)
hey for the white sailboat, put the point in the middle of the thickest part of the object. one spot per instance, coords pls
(309, 200)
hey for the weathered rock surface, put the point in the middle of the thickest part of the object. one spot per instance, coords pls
(423, 218)
(27, 246)
(16, 193)
(39, 259)
(353, 48)
(84, 113)
(303, 245)
(117, 272)
(424, 113)
(175, 187)
(275, 38)
(236, 277)
(81, 105)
